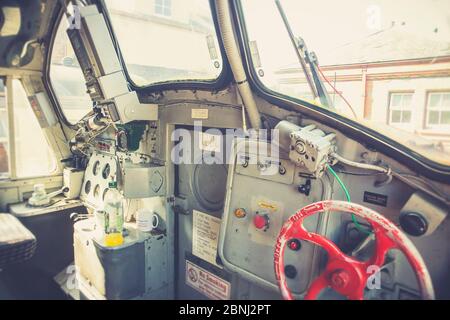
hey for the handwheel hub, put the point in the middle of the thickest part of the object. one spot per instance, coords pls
(345, 277)
(340, 279)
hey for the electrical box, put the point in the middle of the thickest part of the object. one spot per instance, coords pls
(129, 108)
(143, 180)
(309, 147)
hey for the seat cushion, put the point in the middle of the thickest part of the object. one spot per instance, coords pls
(17, 243)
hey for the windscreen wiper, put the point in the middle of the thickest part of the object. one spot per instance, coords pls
(304, 57)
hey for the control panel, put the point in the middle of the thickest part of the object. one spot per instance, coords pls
(259, 201)
(102, 168)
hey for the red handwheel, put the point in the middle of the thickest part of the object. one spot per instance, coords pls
(343, 273)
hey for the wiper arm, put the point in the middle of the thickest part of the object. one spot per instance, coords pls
(311, 59)
(317, 87)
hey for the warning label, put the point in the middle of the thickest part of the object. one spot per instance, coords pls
(205, 235)
(207, 283)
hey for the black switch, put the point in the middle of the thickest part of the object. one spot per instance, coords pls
(305, 188)
(413, 223)
(290, 271)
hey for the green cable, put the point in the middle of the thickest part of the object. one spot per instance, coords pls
(347, 195)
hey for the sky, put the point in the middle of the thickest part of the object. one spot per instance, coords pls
(329, 24)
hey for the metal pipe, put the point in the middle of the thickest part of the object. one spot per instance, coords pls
(234, 58)
(361, 165)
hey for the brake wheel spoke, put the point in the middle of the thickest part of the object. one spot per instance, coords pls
(316, 287)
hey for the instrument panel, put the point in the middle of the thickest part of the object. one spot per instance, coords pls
(257, 205)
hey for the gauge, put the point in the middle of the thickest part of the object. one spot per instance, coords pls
(106, 171)
(87, 187)
(97, 191)
(104, 193)
(96, 168)
(122, 140)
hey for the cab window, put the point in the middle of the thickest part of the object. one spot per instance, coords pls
(381, 66)
(32, 154)
(173, 40)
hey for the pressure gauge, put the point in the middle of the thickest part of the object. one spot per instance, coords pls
(122, 140)
(106, 171)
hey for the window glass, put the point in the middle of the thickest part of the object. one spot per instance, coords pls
(388, 65)
(163, 7)
(438, 110)
(401, 109)
(172, 40)
(33, 155)
(67, 78)
(4, 166)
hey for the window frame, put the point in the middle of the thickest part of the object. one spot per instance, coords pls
(222, 80)
(391, 108)
(163, 7)
(352, 128)
(435, 127)
(47, 65)
(11, 139)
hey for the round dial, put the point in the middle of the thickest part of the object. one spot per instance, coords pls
(106, 171)
(122, 140)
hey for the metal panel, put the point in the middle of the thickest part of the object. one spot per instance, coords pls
(248, 250)
(143, 180)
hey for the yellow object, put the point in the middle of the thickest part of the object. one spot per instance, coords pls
(266, 205)
(240, 213)
(113, 239)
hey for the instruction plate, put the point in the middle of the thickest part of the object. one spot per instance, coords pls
(205, 236)
(206, 282)
(199, 113)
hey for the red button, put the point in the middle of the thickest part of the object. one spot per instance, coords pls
(294, 244)
(261, 221)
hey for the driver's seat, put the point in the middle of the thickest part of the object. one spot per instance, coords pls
(17, 243)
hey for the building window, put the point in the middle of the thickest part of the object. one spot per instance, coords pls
(400, 109)
(163, 7)
(438, 109)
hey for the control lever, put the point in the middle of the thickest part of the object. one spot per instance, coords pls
(41, 198)
(75, 216)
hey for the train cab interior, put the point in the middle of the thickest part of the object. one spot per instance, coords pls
(224, 150)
